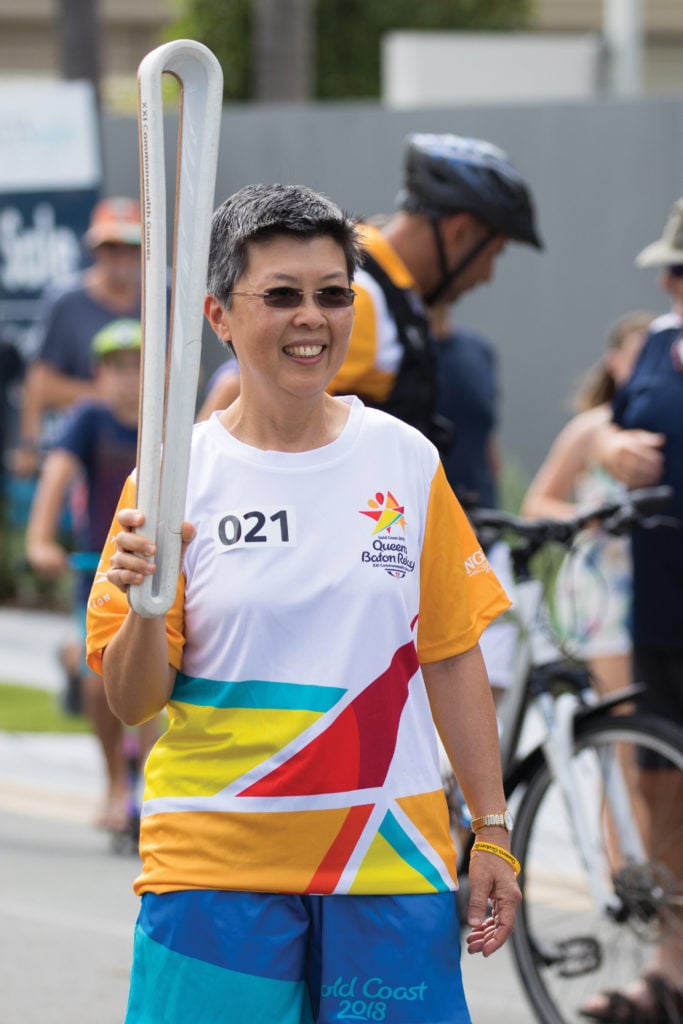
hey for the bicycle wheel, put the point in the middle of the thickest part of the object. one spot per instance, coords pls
(571, 941)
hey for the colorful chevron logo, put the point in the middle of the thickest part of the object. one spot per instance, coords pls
(385, 511)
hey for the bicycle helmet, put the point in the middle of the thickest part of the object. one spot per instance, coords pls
(449, 174)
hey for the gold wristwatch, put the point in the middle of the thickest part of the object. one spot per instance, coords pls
(502, 820)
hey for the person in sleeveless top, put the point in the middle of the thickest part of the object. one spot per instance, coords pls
(592, 595)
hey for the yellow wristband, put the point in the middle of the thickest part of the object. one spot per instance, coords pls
(498, 851)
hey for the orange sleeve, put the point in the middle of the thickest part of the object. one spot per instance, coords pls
(459, 593)
(108, 606)
(359, 373)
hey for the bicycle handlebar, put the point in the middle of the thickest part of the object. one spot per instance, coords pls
(637, 508)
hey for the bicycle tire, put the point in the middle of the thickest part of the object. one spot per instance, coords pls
(566, 949)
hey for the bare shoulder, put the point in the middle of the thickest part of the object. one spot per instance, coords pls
(583, 427)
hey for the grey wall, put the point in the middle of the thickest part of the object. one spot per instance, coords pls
(604, 176)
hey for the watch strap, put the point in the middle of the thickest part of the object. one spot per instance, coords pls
(487, 820)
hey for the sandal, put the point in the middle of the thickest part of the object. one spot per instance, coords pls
(664, 1005)
(669, 999)
(617, 1009)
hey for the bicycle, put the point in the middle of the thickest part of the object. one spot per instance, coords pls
(598, 894)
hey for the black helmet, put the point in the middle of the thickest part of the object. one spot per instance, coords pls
(448, 174)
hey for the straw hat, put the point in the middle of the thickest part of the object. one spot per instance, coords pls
(667, 251)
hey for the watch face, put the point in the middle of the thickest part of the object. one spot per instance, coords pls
(508, 821)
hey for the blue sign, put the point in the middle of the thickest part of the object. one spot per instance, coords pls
(50, 178)
(40, 248)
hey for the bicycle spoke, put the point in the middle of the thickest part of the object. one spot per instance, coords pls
(587, 928)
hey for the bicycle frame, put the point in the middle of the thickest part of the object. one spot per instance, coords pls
(535, 652)
(558, 751)
(595, 879)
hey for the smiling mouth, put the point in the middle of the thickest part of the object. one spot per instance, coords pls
(303, 351)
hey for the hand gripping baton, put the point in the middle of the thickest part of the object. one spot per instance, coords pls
(168, 397)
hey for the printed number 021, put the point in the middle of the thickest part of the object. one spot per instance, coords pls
(252, 528)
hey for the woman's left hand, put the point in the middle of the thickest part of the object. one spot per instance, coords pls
(492, 881)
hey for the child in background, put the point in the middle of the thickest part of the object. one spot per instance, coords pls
(593, 589)
(98, 443)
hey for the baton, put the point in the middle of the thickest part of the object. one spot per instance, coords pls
(170, 372)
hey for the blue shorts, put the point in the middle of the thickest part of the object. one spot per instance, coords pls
(213, 957)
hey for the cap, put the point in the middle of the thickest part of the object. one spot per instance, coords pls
(667, 251)
(117, 336)
(114, 220)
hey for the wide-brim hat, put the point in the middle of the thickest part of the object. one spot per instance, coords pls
(114, 220)
(667, 251)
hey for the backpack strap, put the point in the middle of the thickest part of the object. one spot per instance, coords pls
(413, 396)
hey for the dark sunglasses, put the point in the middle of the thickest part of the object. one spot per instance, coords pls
(676, 270)
(332, 297)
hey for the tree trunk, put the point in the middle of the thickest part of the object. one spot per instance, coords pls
(79, 32)
(282, 50)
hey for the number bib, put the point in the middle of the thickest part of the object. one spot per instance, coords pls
(265, 527)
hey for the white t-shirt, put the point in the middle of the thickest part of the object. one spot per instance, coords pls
(300, 754)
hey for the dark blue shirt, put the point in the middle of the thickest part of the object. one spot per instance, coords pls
(653, 400)
(468, 396)
(11, 368)
(74, 318)
(107, 451)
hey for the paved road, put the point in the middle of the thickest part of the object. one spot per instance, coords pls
(67, 909)
(66, 913)
(29, 646)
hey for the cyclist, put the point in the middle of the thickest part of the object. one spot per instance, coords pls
(462, 200)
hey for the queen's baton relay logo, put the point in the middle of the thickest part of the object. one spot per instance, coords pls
(389, 549)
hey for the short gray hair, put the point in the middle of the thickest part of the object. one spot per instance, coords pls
(258, 213)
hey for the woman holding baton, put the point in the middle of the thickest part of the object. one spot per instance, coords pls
(297, 859)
